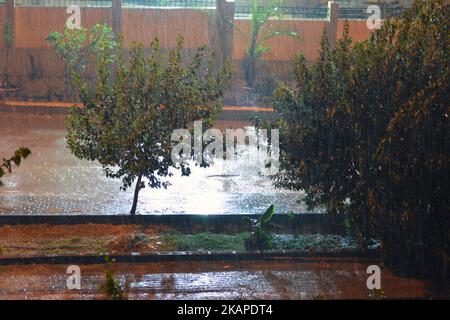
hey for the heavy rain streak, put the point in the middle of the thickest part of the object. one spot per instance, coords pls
(224, 150)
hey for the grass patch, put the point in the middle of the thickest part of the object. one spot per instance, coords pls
(206, 241)
(236, 242)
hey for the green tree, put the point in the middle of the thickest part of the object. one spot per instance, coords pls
(260, 31)
(8, 42)
(76, 47)
(16, 159)
(366, 134)
(130, 113)
(414, 153)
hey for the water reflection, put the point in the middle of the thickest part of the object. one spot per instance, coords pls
(52, 181)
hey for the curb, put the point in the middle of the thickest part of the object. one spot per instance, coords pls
(307, 223)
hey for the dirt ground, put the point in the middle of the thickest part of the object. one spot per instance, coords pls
(36, 240)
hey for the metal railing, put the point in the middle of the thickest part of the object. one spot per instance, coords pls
(64, 3)
(361, 13)
(125, 3)
(170, 3)
(244, 12)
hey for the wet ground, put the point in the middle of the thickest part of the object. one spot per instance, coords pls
(218, 280)
(52, 181)
(45, 240)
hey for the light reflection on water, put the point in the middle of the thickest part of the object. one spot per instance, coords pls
(52, 181)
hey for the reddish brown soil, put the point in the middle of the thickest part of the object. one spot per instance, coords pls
(34, 240)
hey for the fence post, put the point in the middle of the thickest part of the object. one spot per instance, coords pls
(332, 21)
(117, 17)
(221, 33)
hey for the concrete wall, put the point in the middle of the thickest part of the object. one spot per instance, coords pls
(143, 25)
(36, 68)
(357, 29)
(33, 25)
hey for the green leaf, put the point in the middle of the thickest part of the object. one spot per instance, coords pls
(267, 215)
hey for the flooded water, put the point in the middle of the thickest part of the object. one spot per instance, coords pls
(53, 181)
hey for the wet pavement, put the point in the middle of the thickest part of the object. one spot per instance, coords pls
(53, 181)
(212, 280)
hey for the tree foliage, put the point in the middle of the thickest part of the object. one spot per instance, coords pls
(136, 103)
(366, 134)
(16, 159)
(8, 43)
(77, 47)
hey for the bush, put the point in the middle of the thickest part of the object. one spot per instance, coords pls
(366, 134)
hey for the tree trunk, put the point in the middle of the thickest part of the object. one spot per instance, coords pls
(136, 195)
(68, 80)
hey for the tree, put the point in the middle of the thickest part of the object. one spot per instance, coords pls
(76, 47)
(413, 155)
(8, 41)
(366, 135)
(16, 159)
(260, 32)
(131, 112)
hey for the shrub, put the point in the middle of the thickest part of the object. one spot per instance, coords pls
(366, 134)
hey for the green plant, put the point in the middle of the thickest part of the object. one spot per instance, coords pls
(130, 115)
(365, 134)
(8, 42)
(260, 32)
(111, 287)
(78, 47)
(206, 241)
(260, 237)
(19, 154)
